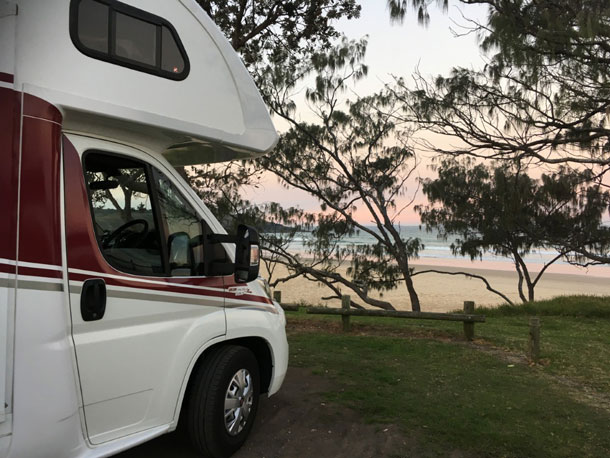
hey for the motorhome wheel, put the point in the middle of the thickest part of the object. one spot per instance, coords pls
(223, 401)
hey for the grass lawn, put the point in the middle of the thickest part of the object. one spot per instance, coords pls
(452, 397)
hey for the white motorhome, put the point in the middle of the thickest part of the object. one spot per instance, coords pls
(124, 306)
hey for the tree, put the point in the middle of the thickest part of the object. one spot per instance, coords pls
(132, 184)
(353, 155)
(544, 94)
(259, 28)
(503, 210)
(260, 31)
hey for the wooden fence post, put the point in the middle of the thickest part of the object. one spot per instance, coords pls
(345, 304)
(277, 297)
(469, 326)
(534, 341)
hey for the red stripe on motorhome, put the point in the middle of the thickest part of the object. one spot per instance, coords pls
(38, 108)
(7, 78)
(36, 272)
(7, 269)
(39, 209)
(135, 284)
(10, 111)
(170, 286)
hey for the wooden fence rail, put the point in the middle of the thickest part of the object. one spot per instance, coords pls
(468, 318)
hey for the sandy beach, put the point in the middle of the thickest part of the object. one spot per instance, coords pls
(443, 293)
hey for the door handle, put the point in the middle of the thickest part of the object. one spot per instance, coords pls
(93, 299)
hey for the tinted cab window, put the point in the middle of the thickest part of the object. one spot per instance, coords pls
(123, 216)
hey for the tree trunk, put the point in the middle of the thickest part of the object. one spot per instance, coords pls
(127, 209)
(402, 258)
(412, 293)
(520, 284)
(524, 274)
(530, 292)
(528, 281)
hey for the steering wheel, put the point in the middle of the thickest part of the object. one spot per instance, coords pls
(119, 230)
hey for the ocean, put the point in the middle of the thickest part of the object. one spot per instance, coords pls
(437, 250)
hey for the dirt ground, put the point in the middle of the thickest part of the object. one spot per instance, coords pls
(297, 423)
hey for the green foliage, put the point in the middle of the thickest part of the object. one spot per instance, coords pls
(574, 306)
(503, 210)
(398, 9)
(261, 28)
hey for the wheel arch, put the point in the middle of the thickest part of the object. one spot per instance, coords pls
(262, 351)
(257, 345)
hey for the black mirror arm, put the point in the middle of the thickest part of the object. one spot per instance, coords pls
(221, 238)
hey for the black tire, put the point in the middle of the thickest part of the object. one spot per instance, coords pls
(205, 415)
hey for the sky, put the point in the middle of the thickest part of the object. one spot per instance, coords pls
(396, 50)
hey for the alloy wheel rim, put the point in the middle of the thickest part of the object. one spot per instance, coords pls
(238, 402)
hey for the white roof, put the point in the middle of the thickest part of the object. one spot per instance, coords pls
(215, 114)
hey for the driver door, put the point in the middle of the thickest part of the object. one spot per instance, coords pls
(138, 314)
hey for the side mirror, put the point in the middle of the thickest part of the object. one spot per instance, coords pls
(247, 254)
(180, 254)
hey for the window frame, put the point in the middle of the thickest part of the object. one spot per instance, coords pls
(114, 7)
(154, 203)
(152, 172)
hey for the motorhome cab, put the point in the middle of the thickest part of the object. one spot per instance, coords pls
(124, 306)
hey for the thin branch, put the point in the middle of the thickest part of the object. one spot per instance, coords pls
(467, 274)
